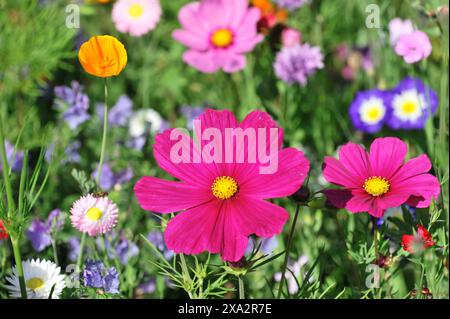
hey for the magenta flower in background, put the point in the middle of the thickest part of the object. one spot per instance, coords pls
(378, 180)
(290, 37)
(295, 64)
(136, 17)
(413, 47)
(222, 203)
(398, 28)
(218, 33)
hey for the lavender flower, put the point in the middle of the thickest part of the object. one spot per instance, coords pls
(291, 4)
(74, 248)
(125, 250)
(136, 143)
(368, 110)
(147, 287)
(71, 153)
(109, 179)
(110, 281)
(15, 161)
(191, 113)
(40, 233)
(120, 113)
(157, 238)
(410, 104)
(74, 104)
(93, 274)
(297, 63)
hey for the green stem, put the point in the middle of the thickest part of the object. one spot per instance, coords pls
(241, 287)
(55, 253)
(288, 249)
(186, 275)
(18, 260)
(105, 131)
(80, 255)
(5, 166)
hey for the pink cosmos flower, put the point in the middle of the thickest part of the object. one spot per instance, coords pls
(218, 33)
(377, 180)
(222, 203)
(94, 215)
(413, 47)
(136, 17)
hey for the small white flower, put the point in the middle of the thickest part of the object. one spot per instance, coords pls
(40, 276)
(144, 118)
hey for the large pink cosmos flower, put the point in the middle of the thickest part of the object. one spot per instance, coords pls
(222, 203)
(379, 180)
(218, 33)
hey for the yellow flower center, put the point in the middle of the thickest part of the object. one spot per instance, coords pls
(374, 113)
(224, 187)
(94, 214)
(34, 283)
(409, 107)
(136, 10)
(376, 185)
(222, 38)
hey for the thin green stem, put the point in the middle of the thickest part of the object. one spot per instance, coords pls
(80, 255)
(241, 287)
(55, 252)
(186, 275)
(5, 165)
(18, 260)
(288, 249)
(105, 131)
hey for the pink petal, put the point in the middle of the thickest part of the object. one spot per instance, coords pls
(255, 216)
(360, 202)
(415, 166)
(356, 160)
(292, 170)
(240, 7)
(338, 197)
(336, 173)
(413, 56)
(188, 17)
(163, 196)
(386, 156)
(217, 13)
(192, 173)
(202, 61)
(234, 63)
(208, 227)
(191, 40)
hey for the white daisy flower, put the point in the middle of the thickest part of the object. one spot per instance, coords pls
(40, 276)
(144, 118)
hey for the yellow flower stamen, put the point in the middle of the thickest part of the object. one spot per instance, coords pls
(222, 38)
(376, 185)
(94, 214)
(136, 10)
(374, 113)
(409, 107)
(224, 187)
(34, 283)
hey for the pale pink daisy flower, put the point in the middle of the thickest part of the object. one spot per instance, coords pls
(94, 215)
(136, 17)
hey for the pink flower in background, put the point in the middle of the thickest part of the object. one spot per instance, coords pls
(218, 33)
(413, 47)
(290, 37)
(377, 180)
(136, 17)
(398, 28)
(222, 203)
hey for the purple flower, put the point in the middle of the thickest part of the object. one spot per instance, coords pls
(125, 250)
(191, 113)
(291, 4)
(93, 274)
(410, 104)
(110, 281)
(268, 245)
(15, 160)
(136, 143)
(148, 287)
(71, 152)
(297, 63)
(74, 248)
(40, 233)
(368, 110)
(120, 113)
(156, 237)
(109, 179)
(74, 104)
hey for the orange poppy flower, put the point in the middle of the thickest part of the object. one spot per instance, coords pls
(103, 56)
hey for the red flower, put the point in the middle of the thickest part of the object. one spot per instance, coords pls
(3, 233)
(418, 242)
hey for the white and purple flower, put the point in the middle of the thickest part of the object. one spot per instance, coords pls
(368, 110)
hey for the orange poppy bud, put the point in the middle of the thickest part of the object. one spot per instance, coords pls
(103, 56)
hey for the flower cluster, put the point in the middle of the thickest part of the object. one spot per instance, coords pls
(95, 275)
(73, 103)
(407, 106)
